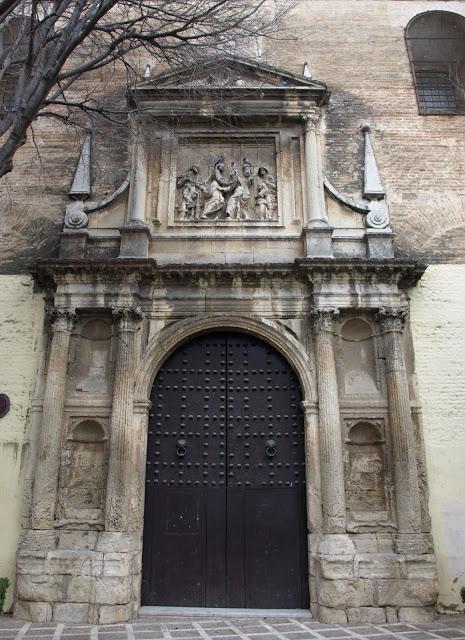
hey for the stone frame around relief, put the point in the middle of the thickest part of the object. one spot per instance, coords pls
(244, 139)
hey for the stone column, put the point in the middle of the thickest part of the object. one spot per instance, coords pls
(314, 175)
(120, 494)
(317, 232)
(51, 432)
(403, 438)
(135, 235)
(331, 460)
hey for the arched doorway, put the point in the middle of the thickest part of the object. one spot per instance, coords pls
(225, 517)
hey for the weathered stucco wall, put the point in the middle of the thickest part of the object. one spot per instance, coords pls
(438, 325)
(21, 322)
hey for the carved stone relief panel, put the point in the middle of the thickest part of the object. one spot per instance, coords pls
(90, 369)
(226, 180)
(366, 473)
(83, 474)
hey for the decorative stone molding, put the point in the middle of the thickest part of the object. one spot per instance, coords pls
(324, 319)
(75, 217)
(392, 319)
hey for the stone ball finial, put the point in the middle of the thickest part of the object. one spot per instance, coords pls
(365, 127)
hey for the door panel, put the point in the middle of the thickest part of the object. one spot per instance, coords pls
(225, 520)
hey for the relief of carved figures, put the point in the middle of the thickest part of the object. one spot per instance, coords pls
(230, 192)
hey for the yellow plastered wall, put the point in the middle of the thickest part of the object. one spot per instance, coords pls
(21, 325)
(438, 327)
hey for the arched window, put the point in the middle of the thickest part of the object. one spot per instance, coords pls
(436, 47)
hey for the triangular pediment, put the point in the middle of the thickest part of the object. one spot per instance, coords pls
(230, 72)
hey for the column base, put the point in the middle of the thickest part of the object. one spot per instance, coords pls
(318, 242)
(372, 577)
(134, 241)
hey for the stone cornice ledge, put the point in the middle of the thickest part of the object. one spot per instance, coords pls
(405, 271)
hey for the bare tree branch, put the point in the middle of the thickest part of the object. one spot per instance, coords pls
(52, 50)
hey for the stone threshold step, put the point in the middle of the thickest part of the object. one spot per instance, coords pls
(225, 613)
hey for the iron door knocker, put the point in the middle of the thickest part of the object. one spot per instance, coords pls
(181, 448)
(270, 448)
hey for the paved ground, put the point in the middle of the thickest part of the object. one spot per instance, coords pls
(210, 628)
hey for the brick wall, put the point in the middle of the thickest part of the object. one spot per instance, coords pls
(357, 47)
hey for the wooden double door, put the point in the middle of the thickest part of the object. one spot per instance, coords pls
(225, 509)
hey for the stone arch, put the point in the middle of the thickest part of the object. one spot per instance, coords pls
(174, 335)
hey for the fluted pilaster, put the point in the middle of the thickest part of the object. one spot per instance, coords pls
(392, 322)
(122, 445)
(331, 460)
(50, 439)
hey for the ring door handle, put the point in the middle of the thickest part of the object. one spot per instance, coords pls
(270, 448)
(181, 448)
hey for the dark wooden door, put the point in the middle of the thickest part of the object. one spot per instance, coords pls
(225, 516)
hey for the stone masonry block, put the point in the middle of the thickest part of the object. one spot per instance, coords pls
(331, 616)
(115, 613)
(113, 590)
(115, 541)
(37, 541)
(73, 540)
(75, 563)
(373, 615)
(34, 611)
(385, 542)
(71, 612)
(391, 614)
(336, 544)
(378, 565)
(346, 593)
(401, 592)
(421, 566)
(336, 567)
(30, 565)
(413, 543)
(416, 615)
(118, 564)
(365, 543)
(39, 588)
(80, 589)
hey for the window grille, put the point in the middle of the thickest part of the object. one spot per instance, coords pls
(436, 47)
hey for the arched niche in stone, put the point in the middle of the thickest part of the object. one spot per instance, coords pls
(365, 463)
(90, 369)
(83, 475)
(357, 356)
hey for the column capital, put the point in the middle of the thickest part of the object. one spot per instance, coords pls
(392, 318)
(310, 120)
(62, 319)
(127, 318)
(324, 319)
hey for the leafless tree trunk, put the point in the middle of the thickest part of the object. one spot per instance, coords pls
(50, 47)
